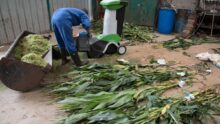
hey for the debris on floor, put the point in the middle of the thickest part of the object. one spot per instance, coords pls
(214, 58)
(186, 43)
(202, 68)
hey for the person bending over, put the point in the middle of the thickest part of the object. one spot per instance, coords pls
(63, 20)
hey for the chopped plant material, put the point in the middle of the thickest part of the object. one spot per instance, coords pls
(202, 68)
(131, 32)
(206, 39)
(177, 43)
(32, 43)
(35, 59)
(138, 33)
(186, 43)
(97, 26)
(32, 47)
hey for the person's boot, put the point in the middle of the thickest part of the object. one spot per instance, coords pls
(77, 61)
(64, 57)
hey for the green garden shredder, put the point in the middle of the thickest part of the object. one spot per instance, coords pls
(109, 41)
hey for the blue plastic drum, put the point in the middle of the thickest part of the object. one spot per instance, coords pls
(166, 21)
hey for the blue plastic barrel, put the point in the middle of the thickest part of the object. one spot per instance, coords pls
(166, 21)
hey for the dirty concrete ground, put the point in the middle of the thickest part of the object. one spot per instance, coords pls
(37, 108)
(27, 108)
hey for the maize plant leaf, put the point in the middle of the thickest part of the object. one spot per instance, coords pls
(105, 116)
(151, 100)
(83, 87)
(126, 81)
(122, 101)
(140, 118)
(165, 109)
(73, 100)
(101, 105)
(173, 117)
(75, 118)
(124, 120)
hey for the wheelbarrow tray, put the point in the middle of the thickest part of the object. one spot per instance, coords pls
(21, 76)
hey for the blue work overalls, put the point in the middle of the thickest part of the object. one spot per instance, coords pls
(63, 20)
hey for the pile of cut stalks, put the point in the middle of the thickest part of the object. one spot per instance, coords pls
(125, 93)
(187, 43)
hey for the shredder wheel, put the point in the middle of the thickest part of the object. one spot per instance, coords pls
(122, 50)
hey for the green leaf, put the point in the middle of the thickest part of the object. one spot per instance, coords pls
(101, 106)
(173, 117)
(83, 87)
(122, 101)
(75, 118)
(123, 120)
(105, 116)
(73, 100)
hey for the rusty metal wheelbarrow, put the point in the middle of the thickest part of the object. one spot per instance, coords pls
(21, 76)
